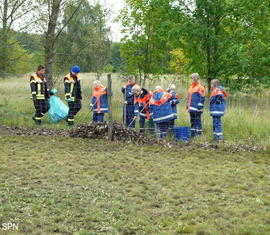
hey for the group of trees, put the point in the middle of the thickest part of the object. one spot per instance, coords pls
(218, 38)
(57, 33)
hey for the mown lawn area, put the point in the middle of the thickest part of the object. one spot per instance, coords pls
(56, 185)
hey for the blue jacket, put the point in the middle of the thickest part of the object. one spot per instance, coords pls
(161, 107)
(196, 98)
(218, 102)
(100, 100)
(128, 95)
(174, 102)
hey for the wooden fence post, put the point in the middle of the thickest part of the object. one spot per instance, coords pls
(110, 118)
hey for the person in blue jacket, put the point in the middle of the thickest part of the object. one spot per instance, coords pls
(141, 101)
(99, 102)
(128, 109)
(217, 107)
(161, 108)
(195, 104)
(174, 103)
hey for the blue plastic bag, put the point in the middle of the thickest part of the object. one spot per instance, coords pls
(58, 110)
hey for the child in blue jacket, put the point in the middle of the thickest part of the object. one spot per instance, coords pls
(161, 108)
(174, 103)
(99, 102)
(195, 104)
(217, 107)
(128, 109)
(141, 102)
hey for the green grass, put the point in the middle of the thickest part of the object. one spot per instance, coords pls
(247, 117)
(57, 185)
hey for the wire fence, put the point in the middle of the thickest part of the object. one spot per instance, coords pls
(246, 116)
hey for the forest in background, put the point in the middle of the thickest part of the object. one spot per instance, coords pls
(222, 39)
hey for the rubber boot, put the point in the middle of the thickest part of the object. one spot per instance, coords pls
(37, 122)
(70, 123)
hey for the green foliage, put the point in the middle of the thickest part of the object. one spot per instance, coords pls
(17, 60)
(116, 60)
(85, 40)
(178, 61)
(220, 39)
(145, 47)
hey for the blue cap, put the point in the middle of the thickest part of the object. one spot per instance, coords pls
(76, 69)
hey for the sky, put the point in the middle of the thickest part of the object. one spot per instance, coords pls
(115, 6)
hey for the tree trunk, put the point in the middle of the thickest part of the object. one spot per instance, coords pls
(4, 41)
(50, 39)
(49, 53)
(144, 79)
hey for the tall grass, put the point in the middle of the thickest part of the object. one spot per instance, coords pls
(247, 117)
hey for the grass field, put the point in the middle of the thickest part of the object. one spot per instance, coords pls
(54, 185)
(247, 117)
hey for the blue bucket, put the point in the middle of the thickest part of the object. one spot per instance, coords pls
(181, 133)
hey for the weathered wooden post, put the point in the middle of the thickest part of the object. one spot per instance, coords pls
(110, 118)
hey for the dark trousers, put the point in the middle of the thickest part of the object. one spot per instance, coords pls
(162, 129)
(74, 108)
(171, 124)
(98, 117)
(217, 128)
(42, 107)
(151, 125)
(128, 115)
(196, 123)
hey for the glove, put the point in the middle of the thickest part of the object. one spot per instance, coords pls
(53, 92)
(91, 107)
(34, 96)
(69, 100)
(200, 106)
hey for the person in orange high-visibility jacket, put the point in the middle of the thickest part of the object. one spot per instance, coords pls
(141, 103)
(217, 107)
(161, 108)
(99, 102)
(195, 104)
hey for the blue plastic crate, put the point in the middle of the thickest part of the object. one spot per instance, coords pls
(181, 133)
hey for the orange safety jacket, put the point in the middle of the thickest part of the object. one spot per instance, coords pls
(99, 99)
(145, 104)
(196, 98)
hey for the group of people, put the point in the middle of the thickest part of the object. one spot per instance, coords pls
(158, 108)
